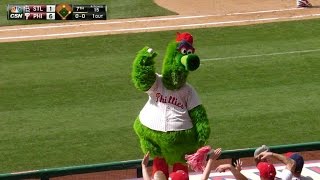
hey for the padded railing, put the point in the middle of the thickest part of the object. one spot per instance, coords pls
(46, 174)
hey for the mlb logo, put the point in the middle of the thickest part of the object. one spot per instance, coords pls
(27, 8)
(16, 9)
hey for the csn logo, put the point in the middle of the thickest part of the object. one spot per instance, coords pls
(16, 16)
(16, 12)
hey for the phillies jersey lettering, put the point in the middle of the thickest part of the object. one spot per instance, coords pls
(167, 110)
(171, 100)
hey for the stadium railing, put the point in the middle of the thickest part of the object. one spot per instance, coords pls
(46, 174)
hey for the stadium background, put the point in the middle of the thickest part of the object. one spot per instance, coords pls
(222, 11)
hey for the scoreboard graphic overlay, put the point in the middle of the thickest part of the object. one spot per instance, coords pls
(56, 12)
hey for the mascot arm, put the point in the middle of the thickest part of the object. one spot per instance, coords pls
(201, 123)
(143, 73)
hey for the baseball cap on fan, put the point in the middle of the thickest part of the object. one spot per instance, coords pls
(179, 175)
(266, 170)
(260, 150)
(298, 159)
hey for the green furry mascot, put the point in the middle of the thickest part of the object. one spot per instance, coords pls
(173, 122)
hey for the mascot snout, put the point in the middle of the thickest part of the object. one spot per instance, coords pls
(191, 62)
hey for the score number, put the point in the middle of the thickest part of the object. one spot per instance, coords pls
(51, 15)
(80, 15)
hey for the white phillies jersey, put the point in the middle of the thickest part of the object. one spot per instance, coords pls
(167, 110)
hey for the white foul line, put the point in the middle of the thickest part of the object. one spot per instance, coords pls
(153, 28)
(260, 55)
(142, 20)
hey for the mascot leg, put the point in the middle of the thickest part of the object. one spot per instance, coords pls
(149, 146)
(160, 164)
(180, 166)
(146, 137)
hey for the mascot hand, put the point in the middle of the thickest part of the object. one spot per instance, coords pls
(143, 70)
(203, 133)
(147, 56)
(201, 122)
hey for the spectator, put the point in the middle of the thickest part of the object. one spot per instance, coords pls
(290, 169)
(179, 175)
(234, 170)
(159, 175)
(258, 151)
(299, 165)
(266, 170)
(214, 156)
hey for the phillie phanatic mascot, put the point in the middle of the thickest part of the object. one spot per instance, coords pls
(173, 122)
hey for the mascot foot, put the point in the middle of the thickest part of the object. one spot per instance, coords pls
(160, 164)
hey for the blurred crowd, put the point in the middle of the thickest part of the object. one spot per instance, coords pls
(262, 156)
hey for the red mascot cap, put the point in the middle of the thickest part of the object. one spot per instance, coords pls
(184, 37)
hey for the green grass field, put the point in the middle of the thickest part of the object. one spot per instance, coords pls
(116, 10)
(71, 101)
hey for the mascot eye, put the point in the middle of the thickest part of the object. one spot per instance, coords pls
(189, 51)
(183, 51)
